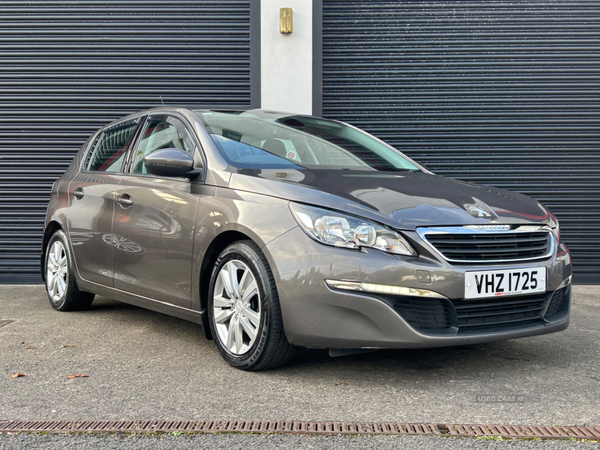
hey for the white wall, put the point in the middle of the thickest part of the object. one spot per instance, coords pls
(286, 59)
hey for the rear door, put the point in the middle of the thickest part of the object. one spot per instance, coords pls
(92, 201)
(154, 220)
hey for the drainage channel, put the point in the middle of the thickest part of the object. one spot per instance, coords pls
(296, 427)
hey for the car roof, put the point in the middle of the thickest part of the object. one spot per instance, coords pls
(265, 114)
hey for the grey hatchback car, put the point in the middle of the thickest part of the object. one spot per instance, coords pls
(275, 231)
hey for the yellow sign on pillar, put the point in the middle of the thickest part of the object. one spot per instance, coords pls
(285, 20)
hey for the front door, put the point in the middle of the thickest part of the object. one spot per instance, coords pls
(154, 220)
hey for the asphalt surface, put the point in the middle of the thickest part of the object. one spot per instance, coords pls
(279, 442)
(144, 365)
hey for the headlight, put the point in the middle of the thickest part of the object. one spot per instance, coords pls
(340, 230)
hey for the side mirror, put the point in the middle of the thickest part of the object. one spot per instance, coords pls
(170, 162)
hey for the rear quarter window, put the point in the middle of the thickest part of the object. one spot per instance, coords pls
(108, 150)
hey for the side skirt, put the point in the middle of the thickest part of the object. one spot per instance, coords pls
(143, 302)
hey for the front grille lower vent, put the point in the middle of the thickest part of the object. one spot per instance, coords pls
(482, 316)
(491, 247)
(556, 304)
(424, 314)
(499, 314)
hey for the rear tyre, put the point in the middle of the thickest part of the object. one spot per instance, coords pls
(63, 293)
(244, 313)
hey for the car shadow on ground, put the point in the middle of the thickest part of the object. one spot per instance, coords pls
(498, 360)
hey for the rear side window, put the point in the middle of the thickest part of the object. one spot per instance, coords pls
(109, 149)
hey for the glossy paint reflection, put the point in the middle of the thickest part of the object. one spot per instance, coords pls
(161, 223)
(406, 200)
(90, 218)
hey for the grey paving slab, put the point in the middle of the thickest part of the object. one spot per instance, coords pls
(143, 365)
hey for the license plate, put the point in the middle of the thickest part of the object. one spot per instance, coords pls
(494, 283)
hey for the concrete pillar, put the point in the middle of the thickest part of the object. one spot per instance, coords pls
(286, 60)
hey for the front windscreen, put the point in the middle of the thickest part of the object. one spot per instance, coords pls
(248, 140)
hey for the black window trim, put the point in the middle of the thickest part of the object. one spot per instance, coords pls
(88, 149)
(133, 146)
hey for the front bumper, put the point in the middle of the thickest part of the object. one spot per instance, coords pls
(317, 316)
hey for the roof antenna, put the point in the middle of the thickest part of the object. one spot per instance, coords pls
(161, 100)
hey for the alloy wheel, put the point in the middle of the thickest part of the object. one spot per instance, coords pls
(57, 271)
(236, 307)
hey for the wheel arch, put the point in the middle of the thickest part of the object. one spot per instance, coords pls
(52, 227)
(218, 244)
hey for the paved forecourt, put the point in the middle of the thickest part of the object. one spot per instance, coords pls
(141, 365)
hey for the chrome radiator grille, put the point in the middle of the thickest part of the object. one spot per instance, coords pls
(465, 245)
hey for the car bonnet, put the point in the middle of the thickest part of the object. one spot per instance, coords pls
(403, 200)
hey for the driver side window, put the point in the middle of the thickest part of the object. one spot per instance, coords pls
(161, 132)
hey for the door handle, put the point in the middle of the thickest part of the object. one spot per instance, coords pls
(125, 200)
(78, 193)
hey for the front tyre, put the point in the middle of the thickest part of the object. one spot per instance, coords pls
(243, 305)
(63, 293)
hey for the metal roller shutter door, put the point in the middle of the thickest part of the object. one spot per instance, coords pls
(67, 68)
(504, 93)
